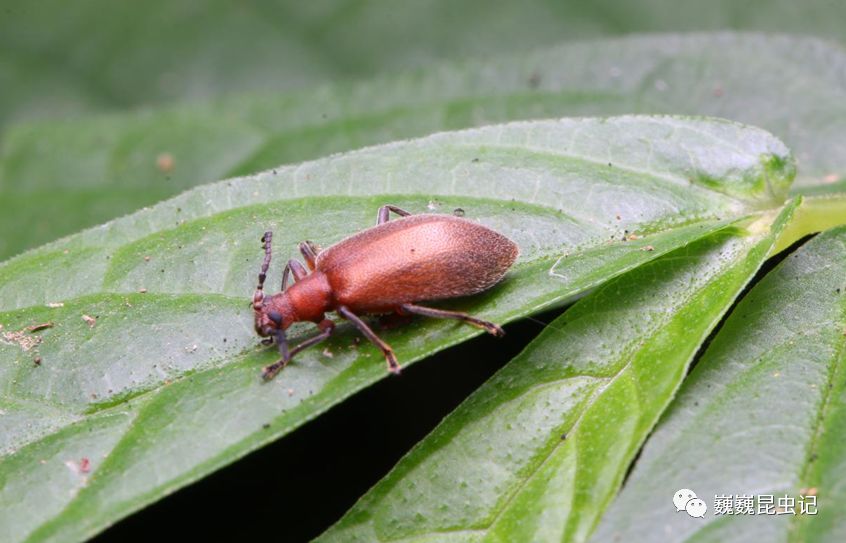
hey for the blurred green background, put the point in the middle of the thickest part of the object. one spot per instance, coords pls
(110, 106)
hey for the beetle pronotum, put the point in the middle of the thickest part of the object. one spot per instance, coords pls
(384, 269)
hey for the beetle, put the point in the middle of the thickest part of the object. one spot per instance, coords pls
(384, 269)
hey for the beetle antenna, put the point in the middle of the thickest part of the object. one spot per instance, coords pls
(259, 294)
(266, 239)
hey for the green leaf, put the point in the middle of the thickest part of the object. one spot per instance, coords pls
(539, 450)
(59, 177)
(761, 414)
(163, 387)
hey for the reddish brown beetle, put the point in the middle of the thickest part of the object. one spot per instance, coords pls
(383, 269)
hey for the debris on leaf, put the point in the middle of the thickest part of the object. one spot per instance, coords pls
(83, 466)
(39, 327)
(91, 321)
(165, 162)
(55, 304)
(21, 339)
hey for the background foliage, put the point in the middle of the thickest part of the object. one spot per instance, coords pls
(108, 108)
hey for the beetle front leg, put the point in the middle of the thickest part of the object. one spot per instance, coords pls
(488, 327)
(326, 328)
(384, 213)
(390, 357)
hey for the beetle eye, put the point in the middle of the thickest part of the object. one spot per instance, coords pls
(275, 317)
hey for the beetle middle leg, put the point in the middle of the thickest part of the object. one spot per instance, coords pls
(326, 328)
(390, 357)
(488, 327)
(385, 211)
(309, 251)
(293, 266)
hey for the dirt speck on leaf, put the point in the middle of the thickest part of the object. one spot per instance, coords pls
(20, 338)
(165, 162)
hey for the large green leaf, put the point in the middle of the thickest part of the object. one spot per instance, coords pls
(164, 386)
(56, 178)
(539, 450)
(761, 414)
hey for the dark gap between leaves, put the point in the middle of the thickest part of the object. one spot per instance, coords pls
(295, 488)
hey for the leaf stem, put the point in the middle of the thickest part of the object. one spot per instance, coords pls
(815, 214)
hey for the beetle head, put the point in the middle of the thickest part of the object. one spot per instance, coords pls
(272, 315)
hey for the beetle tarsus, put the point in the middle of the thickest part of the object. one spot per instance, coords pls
(494, 330)
(393, 363)
(270, 371)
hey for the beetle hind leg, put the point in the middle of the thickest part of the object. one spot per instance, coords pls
(390, 357)
(487, 326)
